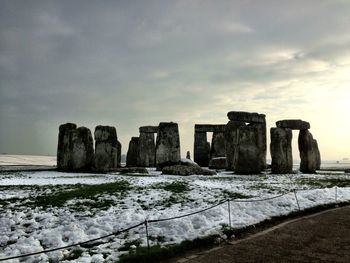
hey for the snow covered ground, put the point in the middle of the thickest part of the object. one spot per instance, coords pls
(11, 159)
(87, 206)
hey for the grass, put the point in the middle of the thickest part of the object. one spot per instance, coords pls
(324, 182)
(175, 187)
(84, 192)
(157, 253)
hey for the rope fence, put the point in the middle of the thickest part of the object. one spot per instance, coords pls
(147, 222)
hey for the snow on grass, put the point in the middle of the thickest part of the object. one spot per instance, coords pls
(42, 210)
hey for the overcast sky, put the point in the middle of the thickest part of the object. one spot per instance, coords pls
(135, 63)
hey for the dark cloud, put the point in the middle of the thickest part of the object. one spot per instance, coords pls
(135, 63)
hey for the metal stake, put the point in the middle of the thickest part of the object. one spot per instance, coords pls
(146, 225)
(229, 213)
(336, 194)
(296, 198)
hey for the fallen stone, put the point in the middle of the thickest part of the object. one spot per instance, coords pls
(148, 129)
(293, 124)
(281, 150)
(308, 150)
(132, 170)
(106, 148)
(168, 143)
(133, 152)
(217, 163)
(188, 162)
(186, 170)
(64, 146)
(246, 116)
(247, 160)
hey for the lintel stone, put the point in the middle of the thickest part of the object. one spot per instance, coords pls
(209, 127)
(293, 124)
(251, 117)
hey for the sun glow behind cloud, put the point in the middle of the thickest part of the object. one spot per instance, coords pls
(133, 64)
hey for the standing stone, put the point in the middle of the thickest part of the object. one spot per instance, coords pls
(168, 144)
(281, 150)
(119, 153)
(231, 142)
(308, 152)
(133, 152)
(106, 148)
(64, 146)
(147, 150)
(318, 156)
(201, 150)
(82, 149)
(247, 160)
(261, 142)
(218, 145)
(188, 155)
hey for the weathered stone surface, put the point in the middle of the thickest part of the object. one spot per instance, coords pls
(308, 150)
(119, 153)
(148, 129)
(218, 145)
(247, 159)
(201, 150)
(293, 124)
(188, 155)
(217, 163)
(231, 142)
(261, 142)
(185, 170)
(133, 152)
(82, 149)
(147, 150)
(168, 143)
(64, 146)
(132, 170)
(106, 148)
(246, 116)
(209, 127)
(318, 156)
(281, 150)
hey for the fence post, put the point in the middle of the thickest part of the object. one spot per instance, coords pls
(146, 225)
(296, 198)
(229, 213)
(336, 194)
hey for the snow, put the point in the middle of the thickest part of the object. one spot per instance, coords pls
(25, 229)
(10, 159)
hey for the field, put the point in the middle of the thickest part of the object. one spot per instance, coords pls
(43, 210)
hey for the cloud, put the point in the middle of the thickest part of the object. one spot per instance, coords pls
(132, 64)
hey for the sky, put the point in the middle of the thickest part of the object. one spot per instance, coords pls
(135, 63)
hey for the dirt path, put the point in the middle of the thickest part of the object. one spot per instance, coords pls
(323, 237)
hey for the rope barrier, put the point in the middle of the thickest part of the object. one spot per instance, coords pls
(146, 223)
(190, 214)
(259, 200)
(73, 245)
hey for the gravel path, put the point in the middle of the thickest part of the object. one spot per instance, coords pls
(322, 237)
